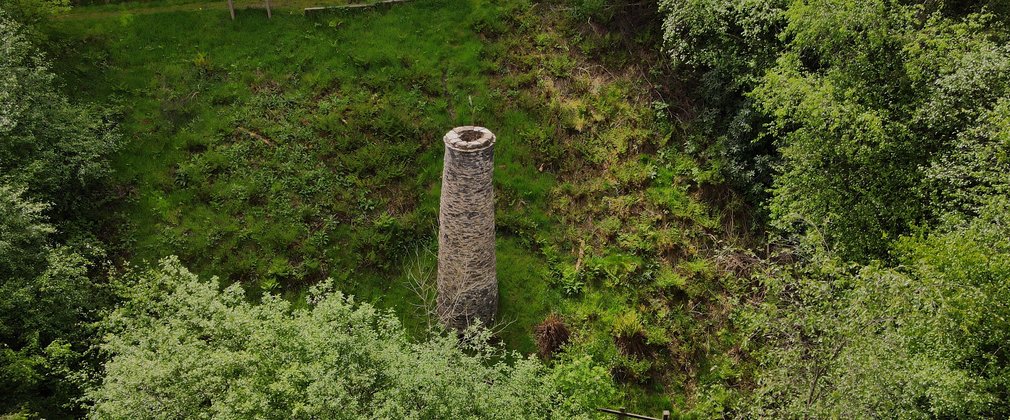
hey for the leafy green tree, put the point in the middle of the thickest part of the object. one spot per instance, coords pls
(720, 49)
(925, 339)
(54, 156)
(865, 95)
(45, 297)
(60, 151)
(180, 347)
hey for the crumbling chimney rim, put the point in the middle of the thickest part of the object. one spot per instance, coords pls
(469, 138)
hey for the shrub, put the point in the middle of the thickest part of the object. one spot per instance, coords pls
(58, 150)
(719, 49)
(923, 340)
(181, 347)
(551, 335)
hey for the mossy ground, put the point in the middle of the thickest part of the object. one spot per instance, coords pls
(281, 152)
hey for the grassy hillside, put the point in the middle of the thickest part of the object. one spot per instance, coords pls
(277, 153)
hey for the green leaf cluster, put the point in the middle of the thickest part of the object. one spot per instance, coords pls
(54, 159)
(866, 112)
(924, 339)
(181, 347)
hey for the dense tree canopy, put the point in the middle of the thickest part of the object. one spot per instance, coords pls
(860, 98)
(53, 158)
(867, 96)
(889, 126)
(923, 339)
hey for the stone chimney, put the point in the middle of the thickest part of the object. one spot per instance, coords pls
(467, 283)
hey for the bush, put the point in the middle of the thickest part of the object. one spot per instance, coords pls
(180, 347)
(58, 150)
(719, 49)
(923, 340)
(847, 100)
(865, 96)
(552, 335)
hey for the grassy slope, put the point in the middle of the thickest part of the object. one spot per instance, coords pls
(597, 214)
(352, 108)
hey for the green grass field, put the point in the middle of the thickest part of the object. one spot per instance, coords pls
(280, 152)
(277, 153)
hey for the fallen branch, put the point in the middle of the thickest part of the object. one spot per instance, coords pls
(308, 10)
(255, 135)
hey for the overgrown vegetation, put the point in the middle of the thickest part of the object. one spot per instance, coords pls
(884, 118)
(920, 339)
(203, 351)
(730, 208)
(54, 168)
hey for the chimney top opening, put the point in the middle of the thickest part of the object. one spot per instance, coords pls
(469, 138)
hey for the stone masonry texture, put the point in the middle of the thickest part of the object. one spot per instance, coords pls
(467, 283)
